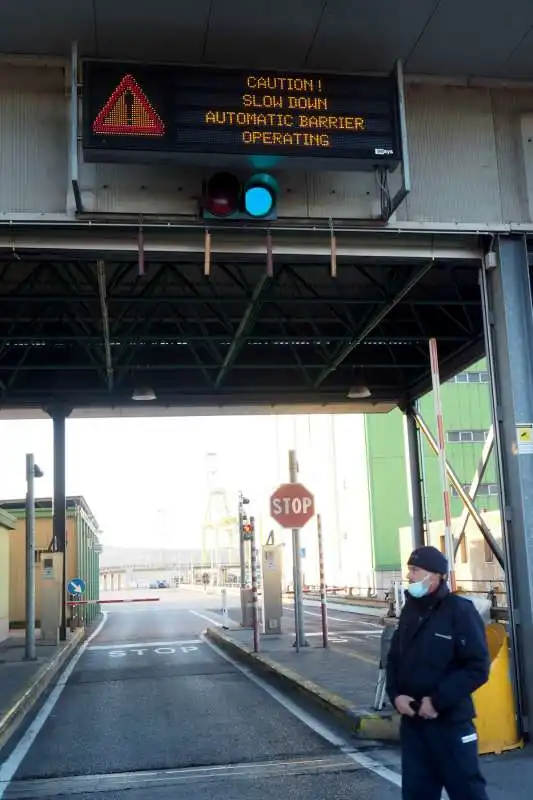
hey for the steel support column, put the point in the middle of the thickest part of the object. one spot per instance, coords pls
(414, 477)
(508, 315)
(59, 525)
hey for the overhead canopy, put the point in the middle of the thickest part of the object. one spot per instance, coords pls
(485, 38)
(80, 327)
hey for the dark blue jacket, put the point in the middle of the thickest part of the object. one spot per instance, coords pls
(439, 651)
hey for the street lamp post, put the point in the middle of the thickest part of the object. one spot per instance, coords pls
(32, 472)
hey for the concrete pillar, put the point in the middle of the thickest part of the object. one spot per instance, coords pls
(414, 477)
(508, 318)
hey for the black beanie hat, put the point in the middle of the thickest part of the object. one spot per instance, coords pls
(430, 559)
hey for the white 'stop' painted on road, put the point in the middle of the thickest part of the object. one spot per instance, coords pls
(122, 646)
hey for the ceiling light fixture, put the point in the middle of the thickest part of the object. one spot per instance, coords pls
(144, 394)
(359, 392)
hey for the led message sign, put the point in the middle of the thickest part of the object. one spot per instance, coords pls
(171, 111)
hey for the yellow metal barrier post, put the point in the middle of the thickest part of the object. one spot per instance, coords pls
(496, 721)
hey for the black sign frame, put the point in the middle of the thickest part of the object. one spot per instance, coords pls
(207, 115)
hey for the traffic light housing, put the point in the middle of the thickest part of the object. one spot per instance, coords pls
(248, 529)
(225, 196)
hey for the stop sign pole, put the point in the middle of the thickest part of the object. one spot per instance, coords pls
(300, 640)
(292, 505)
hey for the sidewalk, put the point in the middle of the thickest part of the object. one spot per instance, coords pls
(343, 683)
(23, 682)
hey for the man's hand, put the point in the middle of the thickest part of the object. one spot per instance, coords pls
(403, 705)
(426, 709)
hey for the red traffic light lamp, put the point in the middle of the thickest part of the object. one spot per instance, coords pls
(226, 197)
(222, 195)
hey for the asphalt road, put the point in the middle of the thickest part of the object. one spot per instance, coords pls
(151, 710)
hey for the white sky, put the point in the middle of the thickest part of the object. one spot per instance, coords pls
(128, 469)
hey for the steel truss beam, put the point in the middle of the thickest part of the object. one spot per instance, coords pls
(75, 324)
(474, 486)
(373, 323)
(228, 300)
(100, 266)
(177, 242)
(456, 483)
(248, 319)
(144, 337)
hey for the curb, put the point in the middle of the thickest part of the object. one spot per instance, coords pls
(28, 697)
(375, 725)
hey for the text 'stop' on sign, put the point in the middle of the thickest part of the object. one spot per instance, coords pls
(260, 118)
(292, 505)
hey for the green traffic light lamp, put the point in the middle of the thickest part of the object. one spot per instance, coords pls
(260, 195)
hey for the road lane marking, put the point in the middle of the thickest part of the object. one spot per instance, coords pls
(203, 616)
(342, 632)
(320, 728)
(119, 782)
(359, 656)
(139, 645)
(338, 619)
(15, 759)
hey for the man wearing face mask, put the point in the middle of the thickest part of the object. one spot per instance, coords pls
(437, 659)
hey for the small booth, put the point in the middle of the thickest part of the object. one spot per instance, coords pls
(7, 524)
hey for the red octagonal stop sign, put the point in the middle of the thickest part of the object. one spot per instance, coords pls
(292, 505)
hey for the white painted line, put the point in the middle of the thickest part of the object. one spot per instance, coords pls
(15, 759)
(203, 616)
(351, 610)
(139, 645)
(344, 633)
(338, 619)
(327, 733)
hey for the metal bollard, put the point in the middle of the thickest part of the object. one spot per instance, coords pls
(398, 598)
(323, 590)
(225, 618)
(381, 686)
(255, 599)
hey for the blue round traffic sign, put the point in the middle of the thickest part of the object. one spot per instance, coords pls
(76, 586)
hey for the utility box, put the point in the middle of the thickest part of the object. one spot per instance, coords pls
(248, 611)
(51, 578)
(272, 569)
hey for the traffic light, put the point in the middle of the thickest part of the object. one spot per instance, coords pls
(226, 197)
(248, 530)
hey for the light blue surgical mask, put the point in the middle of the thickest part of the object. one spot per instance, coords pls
(419, 588)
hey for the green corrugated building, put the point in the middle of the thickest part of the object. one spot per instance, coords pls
(467, 418)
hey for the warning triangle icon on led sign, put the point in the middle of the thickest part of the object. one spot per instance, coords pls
(128, 112)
